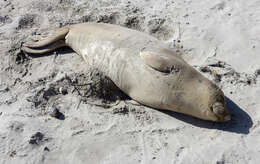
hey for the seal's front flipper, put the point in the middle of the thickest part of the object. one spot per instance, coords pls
(49, 44)
(161, 61)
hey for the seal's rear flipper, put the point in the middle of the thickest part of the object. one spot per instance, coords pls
(44, 49)
(60, 34)
(49, 44)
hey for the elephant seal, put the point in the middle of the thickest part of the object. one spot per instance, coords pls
(142, 67)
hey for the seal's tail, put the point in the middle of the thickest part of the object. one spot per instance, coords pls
(49, 44)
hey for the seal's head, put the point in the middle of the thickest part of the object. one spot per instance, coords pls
(206, 99)
(183, 89)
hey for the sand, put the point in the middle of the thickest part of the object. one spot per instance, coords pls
(55, 109)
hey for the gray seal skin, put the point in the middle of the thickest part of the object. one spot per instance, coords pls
(142, 67)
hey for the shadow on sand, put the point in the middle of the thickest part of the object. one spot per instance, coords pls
(240, 124)
(59, 51)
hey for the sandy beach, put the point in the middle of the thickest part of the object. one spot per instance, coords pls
(54, 108)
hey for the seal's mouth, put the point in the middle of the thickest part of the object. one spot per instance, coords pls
(220, 111)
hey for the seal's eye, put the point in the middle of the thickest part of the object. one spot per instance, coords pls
(221, 98)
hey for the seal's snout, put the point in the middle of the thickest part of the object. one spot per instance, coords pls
(221, 112)
(218, 108)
